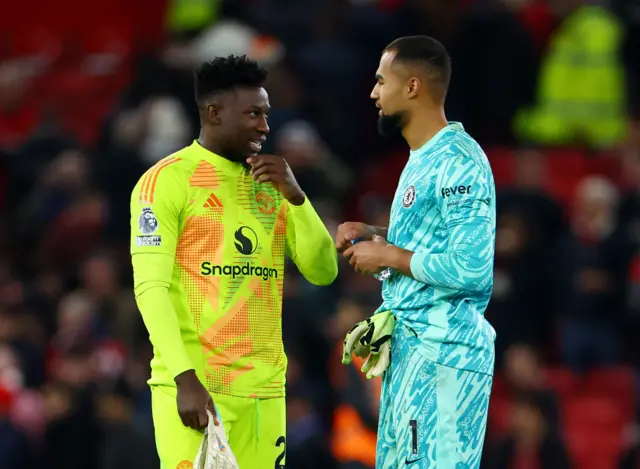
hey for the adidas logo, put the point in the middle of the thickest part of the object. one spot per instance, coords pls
(212, 202)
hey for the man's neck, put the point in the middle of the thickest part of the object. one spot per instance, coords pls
(423, 126)
(209, 143)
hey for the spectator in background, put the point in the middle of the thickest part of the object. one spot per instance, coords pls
(65, 181)
(518, 307)
(78, 322)
(124, 445)
(287, 98)
(590, 269)
(628, 11)
(529, 221)
(523, 372)
(488, 103)
(581, 96)
(115, 305)
(67, 207)
(629, 221)
(630, 458)
(15, 448)
(23, 340)
(530, 444)
(72, 437)
(322, 175)
(355, 418)
(17, 121)
(306, 444)
(528, 196)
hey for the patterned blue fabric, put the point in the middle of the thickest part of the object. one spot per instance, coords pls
(444, 211)
(431, 416)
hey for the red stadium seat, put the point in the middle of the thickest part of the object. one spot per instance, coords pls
(591, 449)
(594, 429)
(561, 380)
(499, 418)
(614, 383)
(115, 42)
(502, 165)
(566, 167)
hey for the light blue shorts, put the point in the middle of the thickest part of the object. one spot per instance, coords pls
(431, 416)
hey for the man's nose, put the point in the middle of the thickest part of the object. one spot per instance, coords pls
(264, 126)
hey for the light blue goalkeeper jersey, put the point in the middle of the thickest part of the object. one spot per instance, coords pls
(444, 211)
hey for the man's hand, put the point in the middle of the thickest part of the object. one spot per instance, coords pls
(274, 169)
(350, 231)
(193, 401)
(369, 257)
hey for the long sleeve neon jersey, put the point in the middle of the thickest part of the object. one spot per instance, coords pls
(208, 249)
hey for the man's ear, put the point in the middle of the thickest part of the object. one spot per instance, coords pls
(213, 113)
(413, 87)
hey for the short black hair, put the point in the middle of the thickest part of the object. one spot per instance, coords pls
(426, 52)
(227, 73)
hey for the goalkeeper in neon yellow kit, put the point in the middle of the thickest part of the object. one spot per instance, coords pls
(211, 225)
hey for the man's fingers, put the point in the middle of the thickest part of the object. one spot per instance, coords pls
(348, 253)
(195, 421)
(190, 420)
(257, 162)
(256, 173)
(343, 247)
(266, 174)
(184, 420)
(202, 419)
(342, 242)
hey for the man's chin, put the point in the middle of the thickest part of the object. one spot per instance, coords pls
(389, 125)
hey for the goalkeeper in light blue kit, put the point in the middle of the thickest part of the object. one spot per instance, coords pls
(429, 339)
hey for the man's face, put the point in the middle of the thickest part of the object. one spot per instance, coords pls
(243, 122)
(388, 93)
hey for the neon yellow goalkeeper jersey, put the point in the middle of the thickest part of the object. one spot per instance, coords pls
(208, 249)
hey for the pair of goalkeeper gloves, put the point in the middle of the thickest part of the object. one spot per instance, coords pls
(215, 452)
(371, 339)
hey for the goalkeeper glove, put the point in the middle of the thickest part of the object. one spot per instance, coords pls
(372, 338)
(215, 452)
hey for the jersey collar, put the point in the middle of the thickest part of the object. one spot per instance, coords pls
(453, 126)
(215, 159)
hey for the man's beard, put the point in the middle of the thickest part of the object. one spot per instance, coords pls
(388, 124)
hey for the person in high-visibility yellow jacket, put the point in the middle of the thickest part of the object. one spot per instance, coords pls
(581, 90)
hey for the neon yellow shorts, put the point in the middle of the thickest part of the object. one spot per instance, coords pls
(256, 429)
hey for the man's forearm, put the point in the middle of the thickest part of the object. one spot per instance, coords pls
(310, 245)
(162, 324)
(151, 287)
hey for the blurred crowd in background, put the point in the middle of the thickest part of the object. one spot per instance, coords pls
(91, 95)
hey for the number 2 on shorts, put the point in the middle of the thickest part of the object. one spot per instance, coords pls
(282, 441)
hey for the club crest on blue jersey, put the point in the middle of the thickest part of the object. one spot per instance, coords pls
(409, 196)
(147, 223)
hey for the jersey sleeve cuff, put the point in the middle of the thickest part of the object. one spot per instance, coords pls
(304, 206)
(417, 266)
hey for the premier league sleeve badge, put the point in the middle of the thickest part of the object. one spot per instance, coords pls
(148, 225)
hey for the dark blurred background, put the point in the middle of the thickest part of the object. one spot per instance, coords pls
(91, 95)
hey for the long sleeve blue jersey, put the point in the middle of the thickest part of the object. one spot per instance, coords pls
(444, 211)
